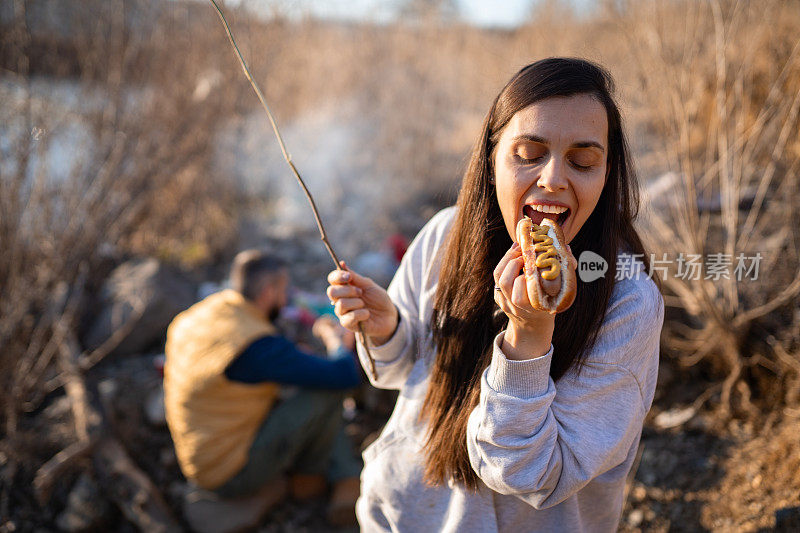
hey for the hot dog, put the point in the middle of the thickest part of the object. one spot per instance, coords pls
(550, 282)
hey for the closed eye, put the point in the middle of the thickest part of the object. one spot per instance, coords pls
(527, 161)
(528, 153)
(582, 168)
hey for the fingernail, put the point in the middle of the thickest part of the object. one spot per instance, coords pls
(515, 246)
(346, 276)
(360, 292)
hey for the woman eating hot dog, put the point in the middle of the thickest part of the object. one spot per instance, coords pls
(513, 417)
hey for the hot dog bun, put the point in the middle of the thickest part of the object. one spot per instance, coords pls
(542, 292)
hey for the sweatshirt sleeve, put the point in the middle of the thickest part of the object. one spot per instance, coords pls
(543, 441)
(409, 289)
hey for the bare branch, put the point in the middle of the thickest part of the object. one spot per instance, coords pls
(287, 157)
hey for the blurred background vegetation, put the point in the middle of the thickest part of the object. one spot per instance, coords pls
(128, 132)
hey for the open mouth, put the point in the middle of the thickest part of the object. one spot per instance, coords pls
(537, 215)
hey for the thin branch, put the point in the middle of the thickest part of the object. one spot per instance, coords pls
(784, 296)
(288, 158)
(783, 355)
(284, 151)
(59, 464)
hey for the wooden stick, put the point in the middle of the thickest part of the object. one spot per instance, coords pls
(288, 158)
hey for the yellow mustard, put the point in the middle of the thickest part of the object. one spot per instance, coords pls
(548, 259)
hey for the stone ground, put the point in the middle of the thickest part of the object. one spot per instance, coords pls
(702, 475)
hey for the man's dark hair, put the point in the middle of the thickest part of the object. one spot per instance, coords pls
(252, 270)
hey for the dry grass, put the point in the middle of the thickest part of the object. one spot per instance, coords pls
(724, 84)
(112, 163)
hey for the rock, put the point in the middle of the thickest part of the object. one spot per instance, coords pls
(208, 513)
(86, 509)
(787, 519)
(159, 291)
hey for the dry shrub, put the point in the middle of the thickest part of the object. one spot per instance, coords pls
(723, 82)
(113, 162)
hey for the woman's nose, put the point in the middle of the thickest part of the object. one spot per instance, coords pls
(553, 176)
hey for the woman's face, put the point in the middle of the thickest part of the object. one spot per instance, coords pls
(550, 162)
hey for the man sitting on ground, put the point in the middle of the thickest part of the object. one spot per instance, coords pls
(225, 363)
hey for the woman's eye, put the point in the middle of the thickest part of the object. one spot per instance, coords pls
(529, 154)
(581, 167)
(583, 159)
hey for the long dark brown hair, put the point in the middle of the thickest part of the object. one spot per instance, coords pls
(465, 317)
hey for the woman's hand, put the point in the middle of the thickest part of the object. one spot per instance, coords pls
(529, 331)
(359, 300)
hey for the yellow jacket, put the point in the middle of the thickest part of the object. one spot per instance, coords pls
(212, 419)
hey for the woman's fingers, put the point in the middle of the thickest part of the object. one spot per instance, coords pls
(354, 277)
(506, 271)
(336, 292)
(502, 303)
(519, 294)
(345, 305)
(358, 299)
(572, 260)
(353, 318)
(508, 275)
(339, 277)
(512, 296)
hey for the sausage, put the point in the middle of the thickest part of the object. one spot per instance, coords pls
(550, 282)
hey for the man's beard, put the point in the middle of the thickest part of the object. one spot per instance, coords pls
(273, 313)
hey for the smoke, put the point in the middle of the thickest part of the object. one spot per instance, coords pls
(335, 151)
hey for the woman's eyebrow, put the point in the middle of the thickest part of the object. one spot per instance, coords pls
(588, 144)
(532, 138)
(542, 140)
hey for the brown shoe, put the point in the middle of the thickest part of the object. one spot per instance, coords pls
(307, 486)
(342, 508)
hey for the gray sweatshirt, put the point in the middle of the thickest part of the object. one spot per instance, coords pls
(550, 456)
